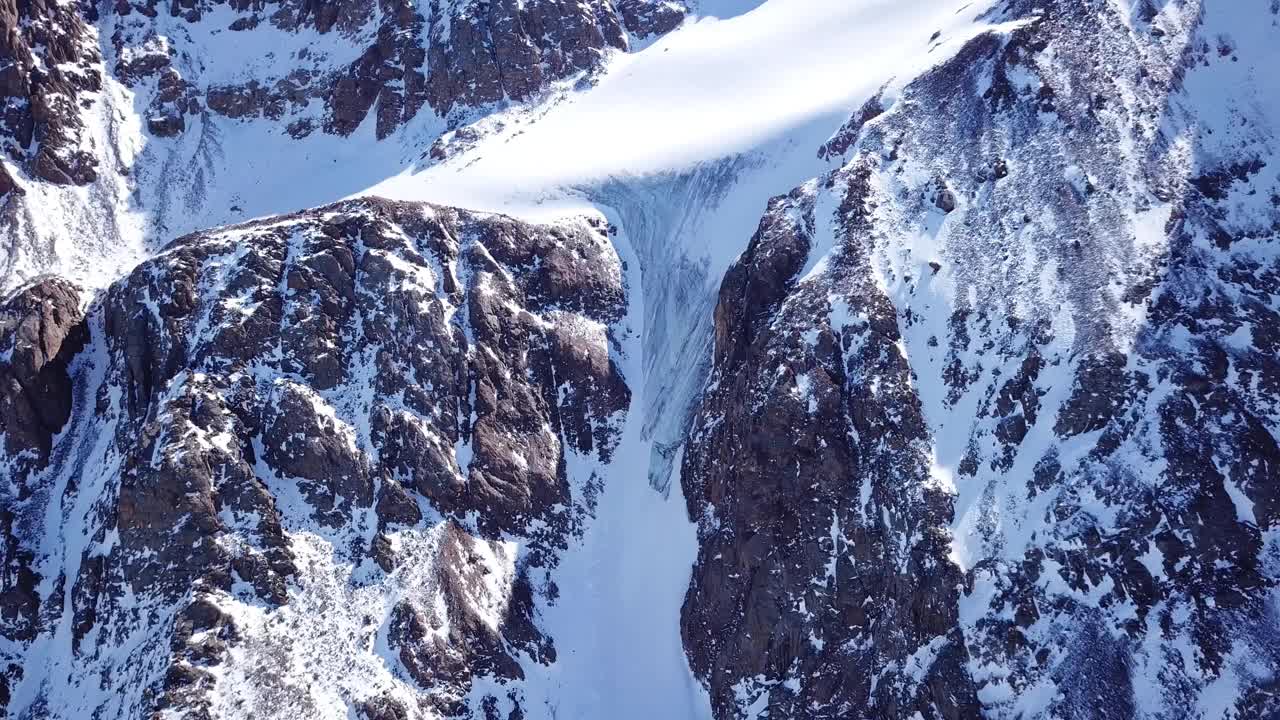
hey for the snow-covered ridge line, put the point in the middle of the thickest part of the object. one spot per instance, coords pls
(715, 88)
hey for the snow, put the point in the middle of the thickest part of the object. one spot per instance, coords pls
(1153, 560)
(69, 524)
(617, 622)
(694, 133)
(88, 234)
(712, 89)
(319, 665)
(752, 696)
(1243, 505)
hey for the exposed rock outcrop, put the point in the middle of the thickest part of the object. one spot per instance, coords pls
(387, 386)
(48, 61)
(824, 542)
(452, 56)
(41, 330)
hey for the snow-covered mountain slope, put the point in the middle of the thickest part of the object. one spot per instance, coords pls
(128, 123)
(979, 419)
(992, 422)
(355, 441)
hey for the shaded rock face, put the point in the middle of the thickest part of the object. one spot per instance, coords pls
(271, 419)
(991, 422)
(42, 326)
(824, 543)
(390, 59)
(645, 18)
(48, 63)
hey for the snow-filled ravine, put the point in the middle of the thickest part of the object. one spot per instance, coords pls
(682, 145)
(617, 622)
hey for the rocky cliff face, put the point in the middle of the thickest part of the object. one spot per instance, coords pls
(50, 64)
(387, 59)
(990, 427)
(354, 410)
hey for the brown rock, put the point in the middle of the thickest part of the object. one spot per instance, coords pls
(41, 330)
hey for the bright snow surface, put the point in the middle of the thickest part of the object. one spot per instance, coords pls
(712, 89)
(617, 623)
